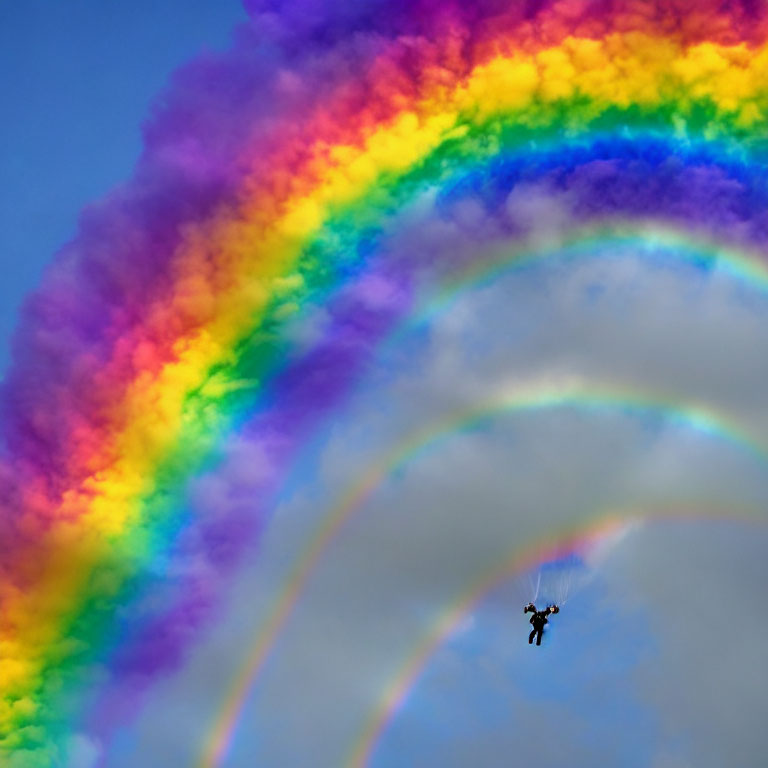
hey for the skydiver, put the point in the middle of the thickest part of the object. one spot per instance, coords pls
(538, 620)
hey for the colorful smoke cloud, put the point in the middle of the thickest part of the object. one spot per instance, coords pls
(214, 311)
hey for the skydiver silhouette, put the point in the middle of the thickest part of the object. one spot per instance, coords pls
(538, 620)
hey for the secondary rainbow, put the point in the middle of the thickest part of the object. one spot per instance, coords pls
(522, 399)
(601, 531)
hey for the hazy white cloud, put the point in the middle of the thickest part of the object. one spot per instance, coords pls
(655, 638)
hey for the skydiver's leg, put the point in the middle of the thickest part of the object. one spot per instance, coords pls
(538, 639)
(530, 637)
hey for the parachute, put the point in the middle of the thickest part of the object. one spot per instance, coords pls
(552, 582)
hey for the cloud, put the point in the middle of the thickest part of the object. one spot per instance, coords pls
(502, 486)
(702, 587)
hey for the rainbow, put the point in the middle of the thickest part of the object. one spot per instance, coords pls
(605, 240)
(535, 397)
(160, 346)
(599, 532)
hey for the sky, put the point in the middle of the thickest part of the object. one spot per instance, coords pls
(79, 80)
(538, 394)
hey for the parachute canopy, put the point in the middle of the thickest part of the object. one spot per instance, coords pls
(553, 581)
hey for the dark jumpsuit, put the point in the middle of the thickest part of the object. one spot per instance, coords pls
(539, 619)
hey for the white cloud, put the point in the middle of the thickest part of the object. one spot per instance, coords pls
(504, 486)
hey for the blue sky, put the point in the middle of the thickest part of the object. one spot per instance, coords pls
(78, 79)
